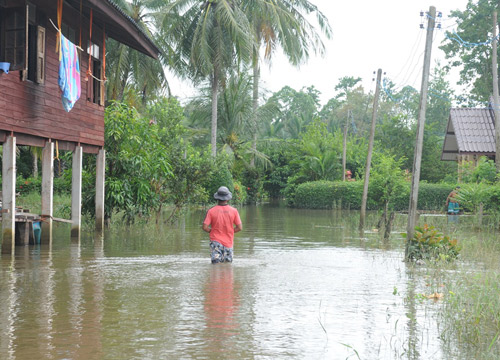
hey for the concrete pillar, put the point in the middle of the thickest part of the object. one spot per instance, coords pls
(76, 193)
(99, 190)
(47, 192)
(9, 195)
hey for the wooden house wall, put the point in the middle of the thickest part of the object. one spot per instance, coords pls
(31, 109)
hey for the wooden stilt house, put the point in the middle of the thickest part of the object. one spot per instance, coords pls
(32, 111)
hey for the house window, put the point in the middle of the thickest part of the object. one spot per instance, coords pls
(22, 42)
(14, 37)
(32, 45)
(68, 33)
(95, 89)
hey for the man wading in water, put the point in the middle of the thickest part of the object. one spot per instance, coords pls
(222, 222)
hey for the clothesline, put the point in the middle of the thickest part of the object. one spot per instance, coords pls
(79, 48)
(57, 29)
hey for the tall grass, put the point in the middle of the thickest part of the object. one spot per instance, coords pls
(470, 312)
(33, 202)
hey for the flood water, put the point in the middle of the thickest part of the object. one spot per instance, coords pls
(303, 285)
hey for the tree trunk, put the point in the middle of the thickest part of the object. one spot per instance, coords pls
(496, 100)
(480, 215)
(213, 137)
(344, 147)
(417, 159)
(255, 106)
(388, 225)
(35, 165)
(369, 156)
(383, 219)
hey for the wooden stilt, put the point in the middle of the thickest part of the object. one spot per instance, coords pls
(9, 195)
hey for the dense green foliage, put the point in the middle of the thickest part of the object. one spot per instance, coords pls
(347, 195)
(479, 197)
(285, 144)
(329, 194)
(148, 163)
(428, 243)
(28, 185)
(474, 26)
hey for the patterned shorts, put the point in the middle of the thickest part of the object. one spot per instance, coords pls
(219, 253)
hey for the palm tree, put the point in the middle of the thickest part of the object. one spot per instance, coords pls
(235, 106)
(130, 69)
(214, 36)
(36, 154)
(282, 23)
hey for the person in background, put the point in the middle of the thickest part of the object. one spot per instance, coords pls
(222, 222)
(452, 202)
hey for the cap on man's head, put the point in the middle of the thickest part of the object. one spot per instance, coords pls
(223, 194)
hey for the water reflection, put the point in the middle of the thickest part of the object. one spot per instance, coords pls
(221, 304)
(303, 285)
(52, 307)
(8, 300)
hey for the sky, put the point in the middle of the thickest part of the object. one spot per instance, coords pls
(367, 35)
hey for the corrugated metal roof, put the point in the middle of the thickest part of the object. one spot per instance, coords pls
(117, 7)
(474, 130)
(469, 132)
(119, 25)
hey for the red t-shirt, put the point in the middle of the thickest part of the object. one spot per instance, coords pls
(222, 218)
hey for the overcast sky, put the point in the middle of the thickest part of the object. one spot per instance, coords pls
(367, 35)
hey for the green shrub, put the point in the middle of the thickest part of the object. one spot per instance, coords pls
(430, 197)
(221, 176)
(328, 195)
(315, 195)
(471, 196)
(347, 195)
(429, 243)
(30, 185)
(483, 171)
(25, 186)
(251, 180)
(239, 194)
(62, 184)
(493, 201)
(433, 196)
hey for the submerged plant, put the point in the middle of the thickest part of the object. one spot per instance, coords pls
(429, 243)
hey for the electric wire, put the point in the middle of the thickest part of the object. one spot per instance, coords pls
(411, 57)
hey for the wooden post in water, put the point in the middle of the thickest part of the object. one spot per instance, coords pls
(344, 146)
(47, 192)
(417, 159)
(496, 100)
(364, 199)
(76, 193)
(9, 195)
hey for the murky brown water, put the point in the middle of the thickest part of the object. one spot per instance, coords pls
(303, 285)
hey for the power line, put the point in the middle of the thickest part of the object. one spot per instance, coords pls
(464, 43)
(411, 57)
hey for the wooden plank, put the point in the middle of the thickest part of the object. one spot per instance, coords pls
(62, 220)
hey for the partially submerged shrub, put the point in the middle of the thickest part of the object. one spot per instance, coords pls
(428, 243)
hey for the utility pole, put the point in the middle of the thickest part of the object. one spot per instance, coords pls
(369, 156)
(496, 101)
(344, 145)
(417, 158)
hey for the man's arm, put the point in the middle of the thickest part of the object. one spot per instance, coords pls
(206, 228)
(238, 228)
